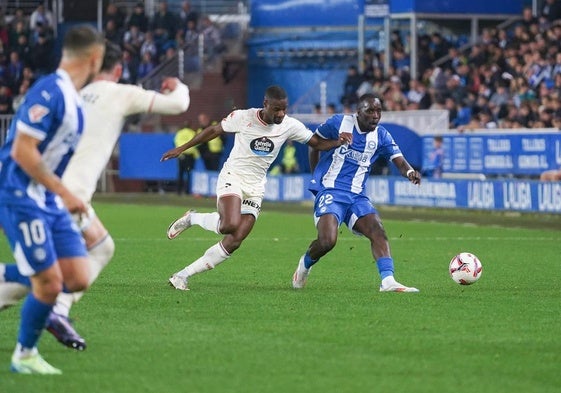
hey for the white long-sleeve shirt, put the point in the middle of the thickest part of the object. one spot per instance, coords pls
(106, 106)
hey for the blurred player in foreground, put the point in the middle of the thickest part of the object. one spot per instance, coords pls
(106, 104)
(259, 136)
(339, 185)
(35, 205)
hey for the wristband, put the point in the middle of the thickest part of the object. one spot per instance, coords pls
(410, 171)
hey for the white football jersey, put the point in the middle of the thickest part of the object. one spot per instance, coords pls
(257, 144)
(106, 106)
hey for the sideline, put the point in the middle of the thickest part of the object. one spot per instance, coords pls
(476, 217)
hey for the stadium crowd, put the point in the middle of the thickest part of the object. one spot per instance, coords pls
(27, 44)
(510, 78)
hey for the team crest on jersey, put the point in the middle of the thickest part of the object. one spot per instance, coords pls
(37, 112)
(262, 146)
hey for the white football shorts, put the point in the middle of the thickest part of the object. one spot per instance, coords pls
(251, 196)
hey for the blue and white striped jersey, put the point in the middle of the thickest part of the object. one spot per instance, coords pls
(347, 167)
(52, 113)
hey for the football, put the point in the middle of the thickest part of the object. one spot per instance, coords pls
(465, 268)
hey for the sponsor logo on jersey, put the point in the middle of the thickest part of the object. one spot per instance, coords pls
(37, 112)
(262, 146)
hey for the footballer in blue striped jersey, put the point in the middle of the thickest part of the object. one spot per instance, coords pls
(35, 205)
(338, 183)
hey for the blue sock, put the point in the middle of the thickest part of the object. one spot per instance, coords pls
(34, 314)
(385, 267)
(308, 261)
(12, 274)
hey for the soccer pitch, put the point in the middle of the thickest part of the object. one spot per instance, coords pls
(242, 328)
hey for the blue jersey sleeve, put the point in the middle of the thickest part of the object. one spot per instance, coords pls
(42, 110)
(387, 147)
(330, 129)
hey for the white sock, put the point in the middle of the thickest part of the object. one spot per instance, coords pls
(208, 221)
(11, 293)
(98, 257)
(390, 280)
(210, 259)
(21, 352)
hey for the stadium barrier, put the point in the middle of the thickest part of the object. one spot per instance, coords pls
(497, 195)
(499, 154)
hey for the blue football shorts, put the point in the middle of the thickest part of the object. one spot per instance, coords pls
(39, 238)
(346, 206)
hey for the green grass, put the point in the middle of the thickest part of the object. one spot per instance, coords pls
(242, 328)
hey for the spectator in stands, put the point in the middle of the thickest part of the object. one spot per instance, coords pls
(19, 16)
(187, 14)
(213, 45)
(14, 71)
(164, 24)
(435, 164)
(438, 45)
(191, 36)
(5, 100)
(113, 33)
(41, 16)
(169, 52)
(500, 97)
(15, 30)
(23, 49)
(146, 65)
(149, 45)
(350, 88)
(133, 39)
(116, 15)
(455, 89)
(43, 51)
(185, 161)
(528, 18)
(22, 91)
(130, 68)
(211, 151)
(139, 18)
(4, 32)
(418, 95)
(551, 10)
(393, 97)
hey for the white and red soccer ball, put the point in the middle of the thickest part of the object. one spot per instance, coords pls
(465, 268)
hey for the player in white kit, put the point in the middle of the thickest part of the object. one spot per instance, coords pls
(106, 104)
(259, 136)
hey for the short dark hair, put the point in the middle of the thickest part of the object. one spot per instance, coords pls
(80, 38)
(369, 97)
(112, 56)
(275, 93)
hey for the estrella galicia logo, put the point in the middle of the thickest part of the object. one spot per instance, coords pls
(262, 146)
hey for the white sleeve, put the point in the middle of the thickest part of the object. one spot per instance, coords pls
(300, 133)
(141, 100)
(231, 123)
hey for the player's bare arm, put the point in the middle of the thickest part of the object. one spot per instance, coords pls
(313, 157)
(205, 135)
(407, 170)
(25, 153)
(319, 143)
